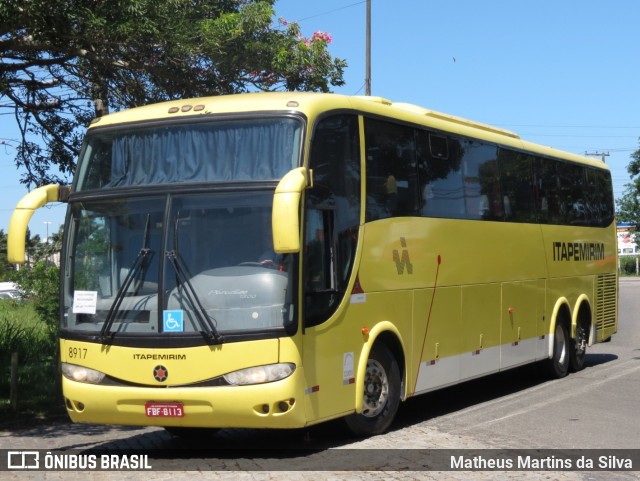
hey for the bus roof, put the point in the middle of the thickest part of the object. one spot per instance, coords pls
(312, 104)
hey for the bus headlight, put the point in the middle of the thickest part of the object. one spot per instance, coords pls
(82, 374)
(260, 374)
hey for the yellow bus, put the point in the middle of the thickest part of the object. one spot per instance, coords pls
(276, 260)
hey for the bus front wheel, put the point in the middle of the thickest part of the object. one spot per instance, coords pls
(381, 394)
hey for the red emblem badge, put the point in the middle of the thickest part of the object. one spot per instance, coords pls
(160, 373)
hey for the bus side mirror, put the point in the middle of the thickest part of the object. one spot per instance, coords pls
(16, 237)
(285, 217)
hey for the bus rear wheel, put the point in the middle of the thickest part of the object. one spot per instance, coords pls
(579, 348)
(558, 365)
(381, 394)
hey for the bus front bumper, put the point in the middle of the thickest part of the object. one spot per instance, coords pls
(271, 405)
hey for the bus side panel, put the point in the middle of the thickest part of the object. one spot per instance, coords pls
(332, 350)
(524, 326)
(477, 330)
(583, 261)
(569, 288)
(438, 317)
(480, 330)
(578, 251)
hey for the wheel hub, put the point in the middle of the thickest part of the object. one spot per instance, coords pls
(376, 389)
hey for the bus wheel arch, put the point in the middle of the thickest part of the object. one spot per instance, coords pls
(581, 329)
(381, 377)
(557, 365)
(392, 342)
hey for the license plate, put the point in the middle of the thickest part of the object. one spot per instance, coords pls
(164, 410)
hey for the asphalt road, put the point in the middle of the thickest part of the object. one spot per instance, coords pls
(596, 408)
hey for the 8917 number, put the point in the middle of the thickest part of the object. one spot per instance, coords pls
(77, 352)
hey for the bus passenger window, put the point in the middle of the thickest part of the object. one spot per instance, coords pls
(440, 178)
(439, 147)
(518, 186)
(599, 192)
(391, 170)
(482, 193)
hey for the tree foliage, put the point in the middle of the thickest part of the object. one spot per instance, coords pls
(40, 284)
(5, 267)
(36, 251)
(66, 61)
(628, 206)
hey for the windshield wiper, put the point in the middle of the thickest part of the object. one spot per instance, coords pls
(206, 322)
(144, 255)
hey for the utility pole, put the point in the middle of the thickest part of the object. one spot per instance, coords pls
(367, 78)
(602, 155)
(48, 223)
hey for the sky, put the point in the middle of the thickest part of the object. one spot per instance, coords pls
(562, 73)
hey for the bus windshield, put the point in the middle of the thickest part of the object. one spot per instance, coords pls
(190, 151)
(174, 265)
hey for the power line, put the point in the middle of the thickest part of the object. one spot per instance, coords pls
(360, 89)
(331, 11)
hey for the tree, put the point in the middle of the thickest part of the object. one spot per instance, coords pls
(5, 268)
(66, 61)
(34, 251)
(40, 284)
(628, 206)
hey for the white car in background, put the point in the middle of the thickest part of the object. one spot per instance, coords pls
(9, 290)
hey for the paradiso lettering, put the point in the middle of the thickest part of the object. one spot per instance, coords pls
(578, 251)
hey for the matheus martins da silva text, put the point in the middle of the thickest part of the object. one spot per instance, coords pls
(541, 463)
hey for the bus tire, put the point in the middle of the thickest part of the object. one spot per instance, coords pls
(381, 394)
(558, 364)
(578, 349)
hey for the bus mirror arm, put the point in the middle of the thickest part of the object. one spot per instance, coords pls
(285, 220)
(64, 191)
(16, 237)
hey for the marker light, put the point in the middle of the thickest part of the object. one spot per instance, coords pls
(260, 374)
(82, 374)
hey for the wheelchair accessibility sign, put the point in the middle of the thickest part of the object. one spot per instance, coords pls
(173, 321)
